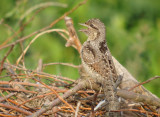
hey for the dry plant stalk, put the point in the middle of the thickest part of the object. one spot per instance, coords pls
(32, 97)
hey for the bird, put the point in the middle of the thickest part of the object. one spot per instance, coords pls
(98, 64)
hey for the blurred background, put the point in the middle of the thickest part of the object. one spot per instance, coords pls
(133, 34)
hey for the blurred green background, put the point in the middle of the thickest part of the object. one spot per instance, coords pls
(133, 34)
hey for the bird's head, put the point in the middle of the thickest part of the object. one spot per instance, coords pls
(94, 30)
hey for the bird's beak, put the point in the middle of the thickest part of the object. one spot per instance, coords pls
(83, 24)
(84, 30)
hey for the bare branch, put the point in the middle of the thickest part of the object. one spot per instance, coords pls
(59, 63)
(2, 62)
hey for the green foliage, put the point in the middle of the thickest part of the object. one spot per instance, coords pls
(133, 34)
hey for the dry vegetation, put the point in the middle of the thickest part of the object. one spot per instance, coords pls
(24, 93)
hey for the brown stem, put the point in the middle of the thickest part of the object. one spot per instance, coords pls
(58, 101)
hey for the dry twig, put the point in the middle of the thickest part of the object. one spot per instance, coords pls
(36, 97)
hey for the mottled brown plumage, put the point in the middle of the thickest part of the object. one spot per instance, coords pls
(97, 61)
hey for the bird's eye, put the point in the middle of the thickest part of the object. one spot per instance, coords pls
(93, 26)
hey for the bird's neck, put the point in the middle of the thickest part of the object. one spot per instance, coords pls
(97, 36)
